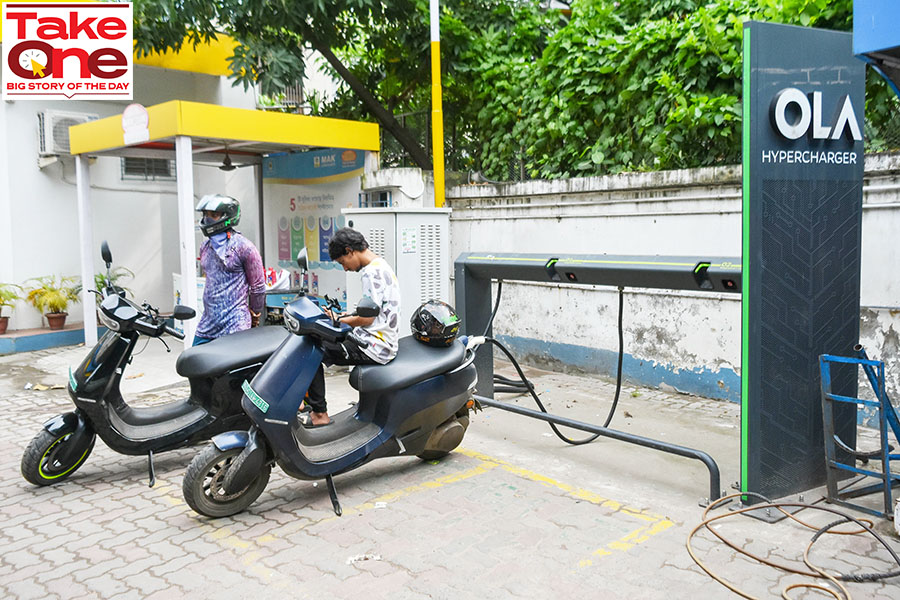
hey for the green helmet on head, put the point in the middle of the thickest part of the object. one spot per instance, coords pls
(229, 208)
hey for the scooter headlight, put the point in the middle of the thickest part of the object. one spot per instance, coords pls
(291, 322)
(110, 323)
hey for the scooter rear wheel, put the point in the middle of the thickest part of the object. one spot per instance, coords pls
(202, 484)
(446, 437)
(41, 463)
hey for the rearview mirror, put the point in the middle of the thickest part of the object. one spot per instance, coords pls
(105, 253)
(302, 260)
(183, 313)
(367, 308)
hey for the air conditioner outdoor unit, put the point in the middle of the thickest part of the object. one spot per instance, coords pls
(54, 130)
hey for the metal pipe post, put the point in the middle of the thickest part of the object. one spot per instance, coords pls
(715, 491)
(86, 229)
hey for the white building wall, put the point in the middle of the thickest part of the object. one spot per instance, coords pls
(38, 212)
(683, 340)
(6, 226)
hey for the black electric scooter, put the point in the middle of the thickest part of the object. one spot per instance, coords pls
(215, 371)
(418, 405)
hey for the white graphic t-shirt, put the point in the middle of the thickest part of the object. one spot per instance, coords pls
(380, 285)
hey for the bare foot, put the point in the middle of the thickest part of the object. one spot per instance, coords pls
(319, 418)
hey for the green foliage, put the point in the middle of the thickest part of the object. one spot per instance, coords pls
(272, 35)
(115, 280)
(52, 294)
(621, 85)
(659, 93)
(638, 85)
(10, 293)
(488, 47)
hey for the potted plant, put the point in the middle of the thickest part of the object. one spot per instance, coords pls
(51, 295)
(9, 295)
(114, 280)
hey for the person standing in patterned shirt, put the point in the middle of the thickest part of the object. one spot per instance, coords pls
(235, 288)
(379, 283)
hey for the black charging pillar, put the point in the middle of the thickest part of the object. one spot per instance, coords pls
(804, 94)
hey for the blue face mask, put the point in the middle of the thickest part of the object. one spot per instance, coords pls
(218, 241)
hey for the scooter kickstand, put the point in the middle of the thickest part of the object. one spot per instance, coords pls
(151, 469)
(333, 493)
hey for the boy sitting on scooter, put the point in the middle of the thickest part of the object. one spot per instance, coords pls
(379, 283)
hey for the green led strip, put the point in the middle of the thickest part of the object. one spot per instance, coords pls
(599, 262)
(745, 273)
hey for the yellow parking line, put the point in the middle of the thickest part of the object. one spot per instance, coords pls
(655, 523)
(480, 469)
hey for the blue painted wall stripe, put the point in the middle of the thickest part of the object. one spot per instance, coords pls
(721, 384)
(44, 340)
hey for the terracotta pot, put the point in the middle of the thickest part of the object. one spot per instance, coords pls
(4, 323)
(56, 320)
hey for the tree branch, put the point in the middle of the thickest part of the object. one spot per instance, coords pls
(384, 116)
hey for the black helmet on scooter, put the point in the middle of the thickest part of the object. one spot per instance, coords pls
(229, 208)
(435, 323)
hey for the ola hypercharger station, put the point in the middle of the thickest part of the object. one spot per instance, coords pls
(799, 272)
(475, 270)
(803, 100)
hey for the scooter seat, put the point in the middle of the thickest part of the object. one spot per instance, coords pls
(231, 352)
(414, 362)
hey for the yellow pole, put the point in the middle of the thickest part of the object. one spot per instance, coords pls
(437, 113)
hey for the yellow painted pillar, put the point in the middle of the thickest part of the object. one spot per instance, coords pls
(437, 113)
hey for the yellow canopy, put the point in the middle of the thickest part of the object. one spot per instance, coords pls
(210, 125)
(182, 130)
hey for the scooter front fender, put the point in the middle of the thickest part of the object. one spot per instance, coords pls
(78, 426)
(65, 423)
(246, 465)
(231, 439)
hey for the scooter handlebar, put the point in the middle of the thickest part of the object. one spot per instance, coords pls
(173, 332)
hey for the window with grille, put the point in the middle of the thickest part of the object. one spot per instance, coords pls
(148, 169)
(375, 199)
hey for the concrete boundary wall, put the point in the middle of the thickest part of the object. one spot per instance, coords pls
(685, 341)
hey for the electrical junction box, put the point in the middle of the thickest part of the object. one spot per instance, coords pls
(416, 243)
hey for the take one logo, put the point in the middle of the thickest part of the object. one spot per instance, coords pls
(795, 114)
(67, 50)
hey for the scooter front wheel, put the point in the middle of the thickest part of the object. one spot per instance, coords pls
(50, 458)
(202, 484)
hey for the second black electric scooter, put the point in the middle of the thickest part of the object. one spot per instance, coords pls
(416, 405)
(215, 372)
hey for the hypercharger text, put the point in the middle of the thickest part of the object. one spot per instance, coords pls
(809, 157)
